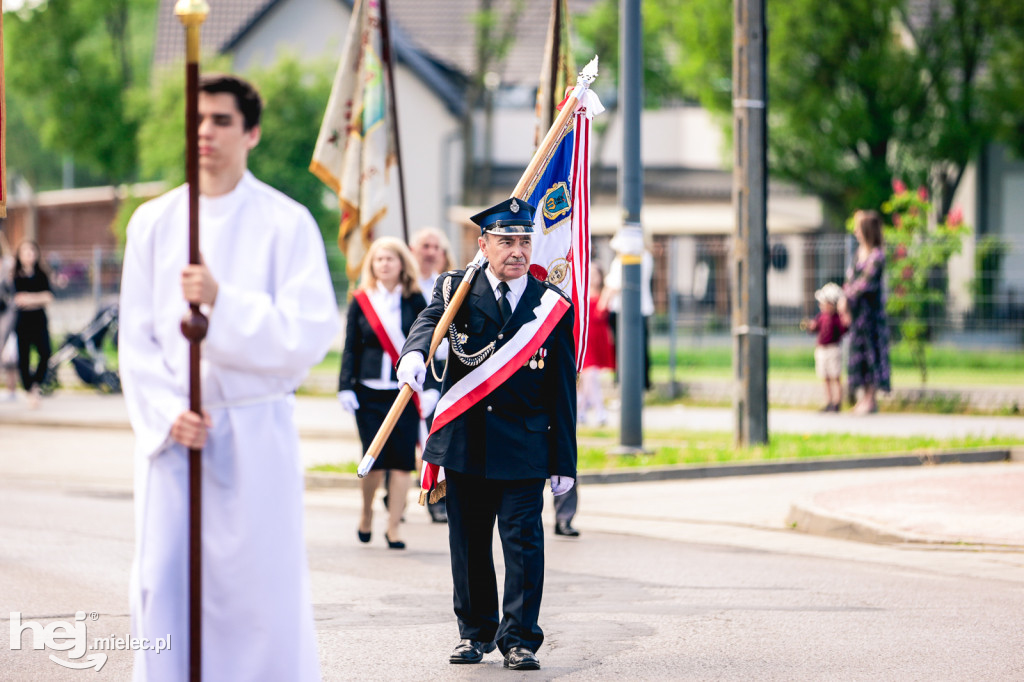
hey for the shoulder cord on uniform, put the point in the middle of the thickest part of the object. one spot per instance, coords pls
(457, 339)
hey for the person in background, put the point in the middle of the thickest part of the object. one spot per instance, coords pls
(382, 312)
(600, 356)
(600, 353)
(612, 299)
(433, 253)
(8, 316)
(32, 294)
(863, 310)
(828, 352)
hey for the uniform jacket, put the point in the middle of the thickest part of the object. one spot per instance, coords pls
(362, 353)
(525, 428)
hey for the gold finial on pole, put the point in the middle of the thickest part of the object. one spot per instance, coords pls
(191, 13)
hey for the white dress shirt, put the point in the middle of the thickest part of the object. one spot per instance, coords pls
(516, 287)
(388, 305)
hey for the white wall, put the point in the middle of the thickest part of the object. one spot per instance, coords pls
(961, 266)
(1013, 230)
(681, 136)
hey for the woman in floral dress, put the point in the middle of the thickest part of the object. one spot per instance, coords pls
(863, 308)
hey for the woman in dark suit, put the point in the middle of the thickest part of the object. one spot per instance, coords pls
(382, 311)
(32, 294)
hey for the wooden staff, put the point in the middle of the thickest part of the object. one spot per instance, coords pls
(192, 13)
(529, 178)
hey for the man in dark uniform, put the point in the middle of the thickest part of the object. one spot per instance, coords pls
(511, 386)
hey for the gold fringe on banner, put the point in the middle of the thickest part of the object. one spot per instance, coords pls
(435, 495)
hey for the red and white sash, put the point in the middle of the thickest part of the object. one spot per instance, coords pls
(494, 371)
(389, 345)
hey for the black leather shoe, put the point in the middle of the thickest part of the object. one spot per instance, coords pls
(363, 537)
(565, 528)
(438, 514)
(470, 651)
(394, 544)
(521, 658)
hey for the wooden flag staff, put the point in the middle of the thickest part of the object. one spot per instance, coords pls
(530, 176)
(192, 13)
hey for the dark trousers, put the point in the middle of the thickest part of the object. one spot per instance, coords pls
(473, 504)
(32, 332)
(645, 332)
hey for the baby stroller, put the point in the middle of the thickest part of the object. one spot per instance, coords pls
(85, 351)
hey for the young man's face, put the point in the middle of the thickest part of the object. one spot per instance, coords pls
(508, 254)
(224, 143)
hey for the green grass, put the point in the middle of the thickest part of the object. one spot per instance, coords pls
(704, 448)
(946, 366)
(345, 468)
(717, 448)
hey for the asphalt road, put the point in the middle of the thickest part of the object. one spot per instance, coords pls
(639, 596)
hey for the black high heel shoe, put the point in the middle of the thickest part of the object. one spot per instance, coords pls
(393, 545)
(364, 537)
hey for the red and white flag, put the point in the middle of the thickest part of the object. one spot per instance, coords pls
(561, 239)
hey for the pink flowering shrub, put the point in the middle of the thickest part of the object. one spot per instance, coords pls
(914, 252)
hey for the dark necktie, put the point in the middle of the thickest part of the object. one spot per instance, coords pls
(506, 307)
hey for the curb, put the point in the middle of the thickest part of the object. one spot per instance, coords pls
(806, 517)
(321, 480)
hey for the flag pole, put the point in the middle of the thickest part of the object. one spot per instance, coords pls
(529, 177)
(192, 13)
(385, 29)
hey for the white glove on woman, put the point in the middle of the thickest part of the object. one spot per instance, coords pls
(349, 401)
(560, 485)
(412, 370)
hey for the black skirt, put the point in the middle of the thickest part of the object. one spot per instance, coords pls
(399, 451)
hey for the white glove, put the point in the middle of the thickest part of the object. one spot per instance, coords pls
(348, 400)
(428, 401)
(412, 370)
(560, 485)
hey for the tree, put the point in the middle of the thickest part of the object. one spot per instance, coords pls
(971, 58)
(865, 90)
(72, 91)
(598, 32)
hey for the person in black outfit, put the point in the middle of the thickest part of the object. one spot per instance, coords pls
(32, 293)
(367, 386)
(500, 441)
(433, 255)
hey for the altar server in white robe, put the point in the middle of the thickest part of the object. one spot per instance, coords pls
(265, 287)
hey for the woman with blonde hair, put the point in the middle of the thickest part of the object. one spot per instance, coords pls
(382, 311)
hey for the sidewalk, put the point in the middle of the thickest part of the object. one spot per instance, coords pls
(972, 505)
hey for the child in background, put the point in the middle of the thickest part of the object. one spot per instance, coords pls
(828, 353)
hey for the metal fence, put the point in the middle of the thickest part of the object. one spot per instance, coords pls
(983, 286)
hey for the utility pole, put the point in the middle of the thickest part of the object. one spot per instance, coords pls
(750, 196)
(631, 235)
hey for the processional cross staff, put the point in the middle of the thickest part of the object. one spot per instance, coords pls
(192, 13)
(530, 176)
